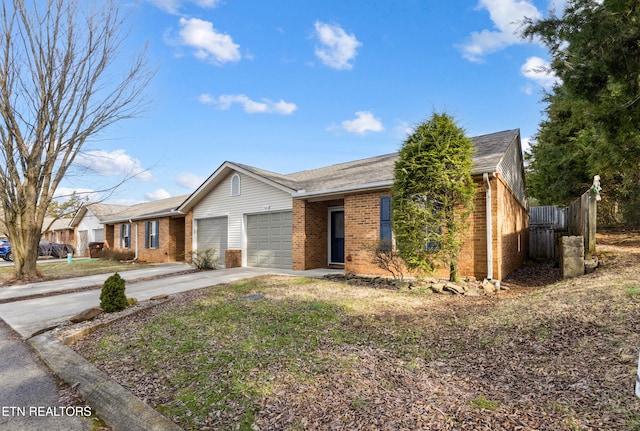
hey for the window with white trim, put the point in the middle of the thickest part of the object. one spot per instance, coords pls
(125, 235)
(151, 234)
(235, 185)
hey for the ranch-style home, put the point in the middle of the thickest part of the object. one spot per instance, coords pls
(88, 224)
(331, 217)
(149, 231)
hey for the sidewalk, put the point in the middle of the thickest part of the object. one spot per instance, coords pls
(26, 382)
(28, 315)
(53, 286)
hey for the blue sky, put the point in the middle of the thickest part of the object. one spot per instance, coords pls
(290, 85)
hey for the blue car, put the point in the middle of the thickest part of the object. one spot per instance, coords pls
(5, 251)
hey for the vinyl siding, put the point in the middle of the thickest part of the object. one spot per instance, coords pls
(511, 168)
(255, 197)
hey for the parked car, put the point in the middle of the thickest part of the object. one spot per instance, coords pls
(54, 249)
(5, 251)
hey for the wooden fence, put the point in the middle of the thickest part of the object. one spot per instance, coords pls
(548, 223)
(545, 225)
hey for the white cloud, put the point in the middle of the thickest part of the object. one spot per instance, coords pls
(265, 106)
(173, 6)
(539, 71)
(64, 193)
(157, 195)
(209, 45)
(507, 16)
(112, 163)
(526, 145)
(337, 48)
(402, 130)
(365, 122)
(189, 180)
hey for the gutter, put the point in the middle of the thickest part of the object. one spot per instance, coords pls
(341, 190)
(485, 177)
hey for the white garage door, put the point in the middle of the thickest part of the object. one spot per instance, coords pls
(269, 240)
(212, 234)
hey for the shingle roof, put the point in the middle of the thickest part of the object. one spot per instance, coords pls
(143, 210)
(370, 173)
(489, 150)
(103, 211)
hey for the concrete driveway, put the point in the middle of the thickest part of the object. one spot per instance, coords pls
(25, 383)
(33, 315)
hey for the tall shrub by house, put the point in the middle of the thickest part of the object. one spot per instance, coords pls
(112, 296)
(432, 195)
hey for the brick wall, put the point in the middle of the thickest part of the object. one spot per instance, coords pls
(160, 254)
(188, 236)
(233, 259)
(176, 232)
(310, 233)
(512, 230)
(170, 244)
(362, 231)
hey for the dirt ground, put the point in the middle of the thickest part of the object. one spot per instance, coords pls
(546, 354)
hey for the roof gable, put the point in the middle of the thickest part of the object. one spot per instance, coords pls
(373, 172)
(146, 210)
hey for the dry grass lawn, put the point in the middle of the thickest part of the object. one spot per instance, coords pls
(281, 353)
(55, 269)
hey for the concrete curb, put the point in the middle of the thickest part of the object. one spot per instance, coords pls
(113, 403)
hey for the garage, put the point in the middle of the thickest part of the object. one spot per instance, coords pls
(212, 234)
(269, 240)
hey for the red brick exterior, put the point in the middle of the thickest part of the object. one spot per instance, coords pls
(233, 259)
(171, 247)
(362, 231)
(311, 234)
(188, 236)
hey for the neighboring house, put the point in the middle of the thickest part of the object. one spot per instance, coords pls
(58, 230)
(88, 224)
(152, 231)
(333, 216)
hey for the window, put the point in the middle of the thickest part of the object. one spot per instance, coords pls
(235, 185)
(151, 234)
(386, 236)
(125, 235)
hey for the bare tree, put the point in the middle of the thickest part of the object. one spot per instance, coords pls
(61, 82)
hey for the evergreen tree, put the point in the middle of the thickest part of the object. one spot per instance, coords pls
(596, 54)
(432, 195)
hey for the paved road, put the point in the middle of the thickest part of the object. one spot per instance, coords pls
(27, 389)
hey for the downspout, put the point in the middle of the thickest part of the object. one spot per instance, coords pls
(485, 177)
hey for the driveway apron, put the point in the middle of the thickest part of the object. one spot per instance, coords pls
(29, 392)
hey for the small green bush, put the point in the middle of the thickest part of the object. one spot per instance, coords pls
(112, 297)
(205, 259)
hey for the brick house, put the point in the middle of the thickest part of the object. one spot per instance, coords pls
(58, 230)
(149, 231)
(333, 216)
(88, 224)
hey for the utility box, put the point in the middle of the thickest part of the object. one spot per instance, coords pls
(571, 256)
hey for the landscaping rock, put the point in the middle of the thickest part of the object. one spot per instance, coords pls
(87, 314)
(159, 297)
(437, 287)
(454, 288)
(488, 288)
(132, 301)
(472, 292)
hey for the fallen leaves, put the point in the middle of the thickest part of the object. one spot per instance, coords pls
(539, 357)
